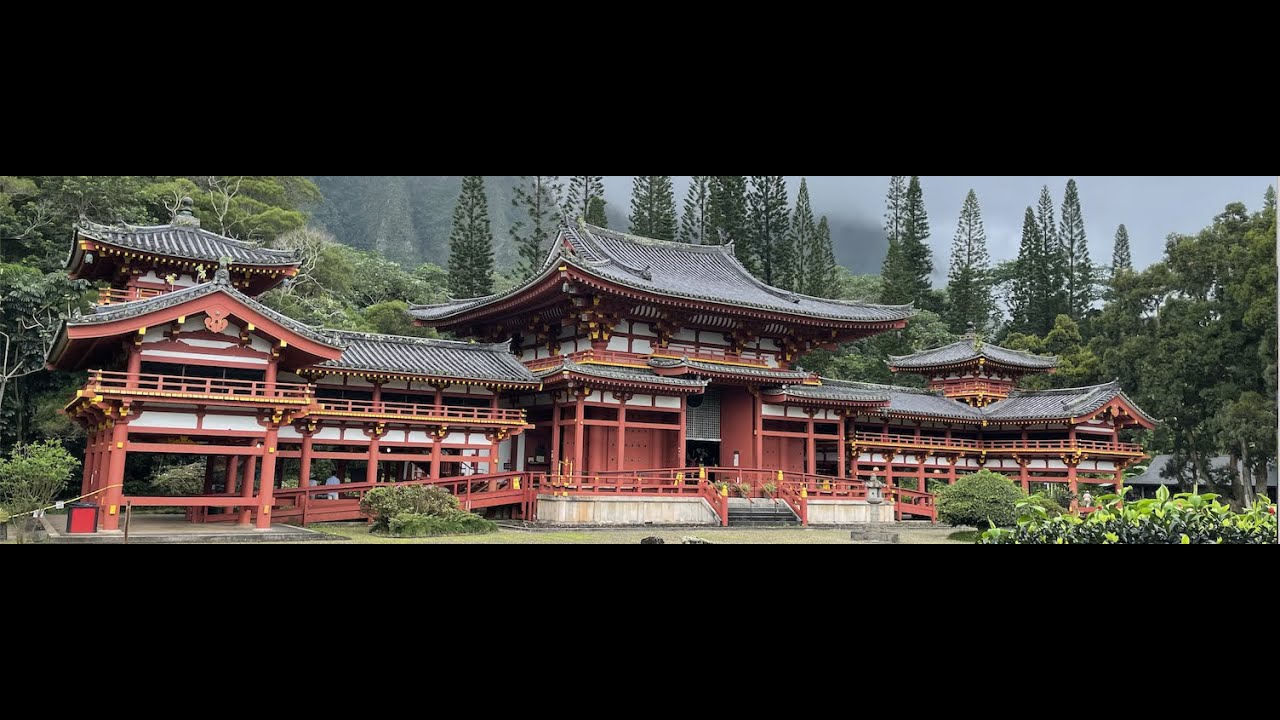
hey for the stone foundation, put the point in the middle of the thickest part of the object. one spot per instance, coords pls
(848, 512)
(625, 511)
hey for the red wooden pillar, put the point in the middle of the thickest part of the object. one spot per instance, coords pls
(245, 518)
(621, 461)
(266, 493)
(88, 464)
(1024, 476)
(682, 434)
(437, 453)
(210, 462)
(371, 470)
(842, 450)
(555, 437)
(921, 483)
(579, 433)
(304, 471)
(951, 469)
(115, 476)
(811, 449)
(271, 375)
(759, 428)
(232, 473)
(135, 366)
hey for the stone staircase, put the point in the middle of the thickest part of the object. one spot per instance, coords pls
(761, 513)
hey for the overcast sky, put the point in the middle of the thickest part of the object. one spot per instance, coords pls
(1151, 207)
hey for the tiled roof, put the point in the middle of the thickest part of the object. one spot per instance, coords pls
(696, 366)
(611, 372)
(1161, 463)
(186, 241)
(1066, 402)
(709, 273)
(837, 390)
(221, 283)
(969, 349)
(435, 358)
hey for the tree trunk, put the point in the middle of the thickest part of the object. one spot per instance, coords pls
(1260, 477)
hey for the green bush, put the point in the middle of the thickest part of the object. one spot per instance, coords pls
(454, 522)
(384, 503)
(1184, 519)
(980, 499)
(1050, 505)
(31, 477)
(180, 480)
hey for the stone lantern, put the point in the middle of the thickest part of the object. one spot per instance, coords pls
(875, 491)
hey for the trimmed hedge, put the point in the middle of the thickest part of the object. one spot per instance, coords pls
(420, 511)
(454, 522)
(980, 499)
(1184, 519)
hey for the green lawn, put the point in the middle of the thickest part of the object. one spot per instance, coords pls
(914, 536)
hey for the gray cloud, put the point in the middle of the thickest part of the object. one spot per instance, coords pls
(1151, 206)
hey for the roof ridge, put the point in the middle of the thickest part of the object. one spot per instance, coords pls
(408, 340)
(1111, 385)
(708, 248)
(858, 384)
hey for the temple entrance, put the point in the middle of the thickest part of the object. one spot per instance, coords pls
(702, 453)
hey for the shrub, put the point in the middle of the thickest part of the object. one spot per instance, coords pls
(743, 489)
(769, 489)
(32, 476)
(454, 522)
(385, 503)
(180, 480)
(1184, 519)
(981, 499)
(1050, 505)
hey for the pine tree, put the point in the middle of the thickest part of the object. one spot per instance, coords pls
(728, 209)
(471, 245)
(895, 220)
(1053, 299)
(969, 287)
(596, 214)
(824, 276)
(537, 202)
(696, 223)
(1075, 252)
(577, 202)
(909, 266)
(764, 247)
(1121, 259)
(799, 259)
(1026, 295)
(1269, 198)
(653, 207)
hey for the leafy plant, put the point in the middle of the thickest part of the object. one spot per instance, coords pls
(32, 476)
(769, 489)
(1184, 519)
(384, 503)
(743, 489)
(453, 522)
(980, 499)
(180, 480)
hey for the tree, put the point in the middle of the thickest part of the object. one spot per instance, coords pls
(1053, 298)
(1027, 285)
(968, 287)
(909, 265)
(471, 245)
(582, 188)
(32, 476)
(824, 277)
(653, 207)
(697, 222)
(795, 265)
(537, 203)
(764, 248)
(596, 214)
(1121, 260)
(729, 212)
(1078, 267)
(980, 500)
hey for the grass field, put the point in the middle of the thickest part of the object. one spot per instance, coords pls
(359, 533)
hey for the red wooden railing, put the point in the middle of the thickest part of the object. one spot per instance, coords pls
(707, 354)
(120, 383)
(973, 387)
(107, 296)
(588, 357)
(912, 502)
(873, 439)
(408, 410)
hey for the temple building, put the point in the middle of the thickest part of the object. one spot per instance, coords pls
(628, 381)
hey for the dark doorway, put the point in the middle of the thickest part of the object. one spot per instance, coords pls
(702, 453)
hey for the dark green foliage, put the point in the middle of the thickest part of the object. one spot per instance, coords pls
(179, 480)
(1184, 519)
(909, 263)
(653, 207)
(765, 247)
(596, 214)
(864, 361)
(1053, 265)
(824, 277)
(471, 245)
(697, 223)
(32, 476)
(796, 265)
(1121, 258)
(729, 213)
(969, 286)
(979, 500)
(1080, 277)
(454, 522)
(577, 200)
(537, 203)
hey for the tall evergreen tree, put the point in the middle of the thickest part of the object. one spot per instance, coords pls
(909, 267)
(537, 203)
(1052, 262)
(653, 207)
(577, 201)
(696, 224)
(798, 262)
(596, 214)
(1121, 259)
(969, 287)
(1026, 297)
(825, 278)
(471, 245)
(1078, 266)
(1269, 199)
(895, 222)
(728, 209)
(764, 247)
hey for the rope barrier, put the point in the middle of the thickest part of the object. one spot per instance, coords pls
(65, 502)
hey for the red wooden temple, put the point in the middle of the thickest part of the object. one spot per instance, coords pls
(630, 381)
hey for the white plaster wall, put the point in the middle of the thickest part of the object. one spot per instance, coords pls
(231, 422)
(665, 401)
(642, 346)
(177, 421)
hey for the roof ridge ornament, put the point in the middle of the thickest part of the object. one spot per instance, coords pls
(223, 275)
(186, 213)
